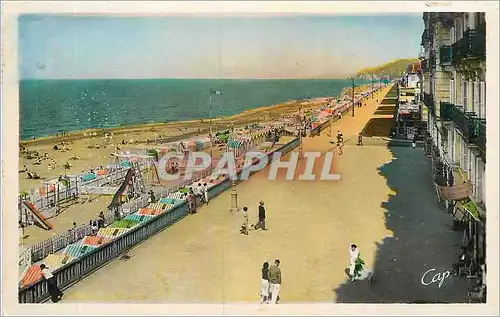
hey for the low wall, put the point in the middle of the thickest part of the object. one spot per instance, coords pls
(76, 270)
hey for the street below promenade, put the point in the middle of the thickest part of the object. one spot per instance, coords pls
(385, 203)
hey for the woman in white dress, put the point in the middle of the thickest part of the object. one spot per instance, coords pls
(356, 264)
(264, 284)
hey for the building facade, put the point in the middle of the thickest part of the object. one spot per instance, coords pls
(454, 93)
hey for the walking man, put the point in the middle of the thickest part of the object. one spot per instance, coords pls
(274, 281)
(360, 139)
(54, 291)
(262, 217)
(340, 142)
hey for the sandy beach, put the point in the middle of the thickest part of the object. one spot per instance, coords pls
(93, 149)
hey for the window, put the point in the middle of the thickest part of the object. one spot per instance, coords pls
(475, 97)
(482, 100)
(452, 91)
(465, 86)
(480, 181)
(472, 21)
(453, 38)
(456, 147)
(451, 145)
(465, 155)
(471, 158)
(459, 30)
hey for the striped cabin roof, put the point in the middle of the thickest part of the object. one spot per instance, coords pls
(78, 250)
(32, 274)
(94, 241)
(111, 233)
(138, 218)
(55, 261)
(150, 212)
(123, 223)
(159, 206)
(176, 195)
(167, 201)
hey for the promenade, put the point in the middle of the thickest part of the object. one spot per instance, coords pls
(204, 258)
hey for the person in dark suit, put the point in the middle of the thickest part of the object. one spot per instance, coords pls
(262, 217)
(54, 291)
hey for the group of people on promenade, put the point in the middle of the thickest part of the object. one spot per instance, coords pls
(270, 283)
(261, 221)
(271, 275)
(196, 195)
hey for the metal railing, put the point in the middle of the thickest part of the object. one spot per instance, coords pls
(77, 269)
(41, 250)
(446, 111)
(471, 46)
(481, 134)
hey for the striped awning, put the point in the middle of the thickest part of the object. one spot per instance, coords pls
(458, 192)
(470, 208)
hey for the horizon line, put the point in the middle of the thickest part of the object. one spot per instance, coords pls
(191, 78)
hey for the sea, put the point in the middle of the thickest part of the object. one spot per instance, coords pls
(50, 106)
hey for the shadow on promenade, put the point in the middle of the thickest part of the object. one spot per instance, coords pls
(422, 240)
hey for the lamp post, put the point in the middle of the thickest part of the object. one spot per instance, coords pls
(234, 193)
(210, 129)
(373, 79)
(211, 92)
(301, 147)
(352, 79)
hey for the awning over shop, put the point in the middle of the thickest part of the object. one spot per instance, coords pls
(470, 208)
(458, 192)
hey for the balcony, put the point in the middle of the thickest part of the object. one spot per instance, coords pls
(471, 127)
(445, 55)
(481, 134)
(446, 111)
(471, 47)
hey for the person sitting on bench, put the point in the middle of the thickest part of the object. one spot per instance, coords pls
(461, 262)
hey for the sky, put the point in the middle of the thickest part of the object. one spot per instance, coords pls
(86, 47)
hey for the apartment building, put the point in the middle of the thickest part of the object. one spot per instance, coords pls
(454, 92)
